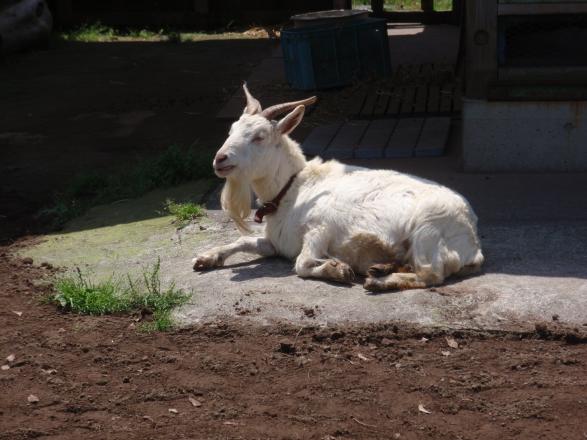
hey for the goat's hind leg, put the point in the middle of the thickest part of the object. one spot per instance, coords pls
(395, 281)
(311, 262)
(216, 257)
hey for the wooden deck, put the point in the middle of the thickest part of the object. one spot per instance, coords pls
(380, 138)
(414, 90)
(407, 115)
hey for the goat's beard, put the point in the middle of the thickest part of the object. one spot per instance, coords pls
(236, 200)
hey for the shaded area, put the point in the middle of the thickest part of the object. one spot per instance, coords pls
(96, 108)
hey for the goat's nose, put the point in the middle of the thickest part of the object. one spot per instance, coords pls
(220, 158)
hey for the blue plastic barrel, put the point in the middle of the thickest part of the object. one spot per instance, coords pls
(325, 56)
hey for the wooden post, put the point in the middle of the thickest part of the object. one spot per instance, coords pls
(339, 4)
(481, 46)
(427, 5)
(377, 7)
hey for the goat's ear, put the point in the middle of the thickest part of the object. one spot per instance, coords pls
(253, 106)
(291, 121)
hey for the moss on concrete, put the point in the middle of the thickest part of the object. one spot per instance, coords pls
(122, 237)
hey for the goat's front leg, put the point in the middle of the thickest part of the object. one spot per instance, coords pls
(311, 262)
(216, 257)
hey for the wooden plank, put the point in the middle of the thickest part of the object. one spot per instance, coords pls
(543, 9)
(320, 138)
(356, 104)
(408, 100)
(397, 74)
(395, 101)
(345, 141)
(481, 47)
(421, 99)
(576, 74)
(375, 139)
(426, 71)
(381, 104)
(433, 138)
(369, 105)
(433, 105)
(404, 138)
(446, 94)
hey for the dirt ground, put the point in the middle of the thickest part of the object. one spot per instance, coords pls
(100, 106)
(100, 378)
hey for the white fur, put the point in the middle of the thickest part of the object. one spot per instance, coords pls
(337, 220)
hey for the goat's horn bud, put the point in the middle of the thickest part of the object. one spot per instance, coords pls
(279, 109)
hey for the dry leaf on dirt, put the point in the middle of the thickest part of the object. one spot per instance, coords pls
(32, 398)
(452, 343)
(231, 423)
(10, 358)
(17, 313)
(173, 411)
(445, 353)
(362, 357)
(194, 402)
(423, 410)
(424, 340)
(5, 367)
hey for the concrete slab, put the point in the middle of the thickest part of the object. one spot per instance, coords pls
(534, 270)
(524, 136)
(531, 274)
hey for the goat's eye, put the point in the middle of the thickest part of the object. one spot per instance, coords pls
(257, 139)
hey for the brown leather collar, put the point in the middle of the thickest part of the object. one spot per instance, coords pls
(271, 207)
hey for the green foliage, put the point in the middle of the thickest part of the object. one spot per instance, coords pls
(407, 5)
(99, 33)
(184, 212)
(172, 167)
(88, 32)
(77, 293)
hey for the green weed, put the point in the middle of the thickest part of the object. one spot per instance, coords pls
(184, 212)
(77, 293)
(172, 167)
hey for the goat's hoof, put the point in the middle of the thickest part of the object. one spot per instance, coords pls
(375, 285)
(380, 270)
(343, 272)
(206, 262)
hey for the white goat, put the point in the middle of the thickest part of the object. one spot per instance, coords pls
(335, 220)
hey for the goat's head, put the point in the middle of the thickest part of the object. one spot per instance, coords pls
(253, 139)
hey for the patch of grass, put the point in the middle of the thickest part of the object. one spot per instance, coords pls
(184, 212)
(99, 33)
(89, 32)
(77, 293)
(172, 167)
(407, 5)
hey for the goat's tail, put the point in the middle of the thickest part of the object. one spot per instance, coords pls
(236, 200)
